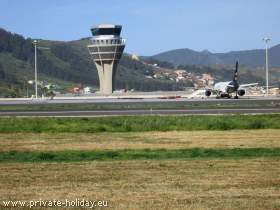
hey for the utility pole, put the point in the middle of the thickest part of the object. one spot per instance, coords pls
(266, 40)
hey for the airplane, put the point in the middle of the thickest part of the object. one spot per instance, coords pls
(226, 89)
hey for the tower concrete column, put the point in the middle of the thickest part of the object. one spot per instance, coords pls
(106, 49)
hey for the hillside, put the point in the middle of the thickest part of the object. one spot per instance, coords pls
(251, 63)
(251, 58)
(66, 64)
(188, 57)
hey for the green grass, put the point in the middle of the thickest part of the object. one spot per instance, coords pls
(139, 123)
(143, 154)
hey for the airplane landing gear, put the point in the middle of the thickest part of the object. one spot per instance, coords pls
(236, 96)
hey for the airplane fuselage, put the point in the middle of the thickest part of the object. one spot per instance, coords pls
(226, 87)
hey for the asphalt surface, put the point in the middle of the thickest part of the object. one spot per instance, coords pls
(193, 111)
(137, 112)
(78, 100)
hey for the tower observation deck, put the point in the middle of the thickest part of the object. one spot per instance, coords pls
(106, 49)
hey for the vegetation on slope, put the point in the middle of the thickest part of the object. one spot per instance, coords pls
(64, 62)
(69, 63)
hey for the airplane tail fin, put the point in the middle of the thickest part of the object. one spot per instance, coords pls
(235, 77)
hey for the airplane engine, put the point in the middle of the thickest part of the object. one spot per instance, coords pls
(241, 92)
(208, 92)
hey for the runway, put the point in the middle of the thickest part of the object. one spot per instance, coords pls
(83, 100)
(138, 112)
(137, 106)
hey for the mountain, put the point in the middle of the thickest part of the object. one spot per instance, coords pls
(187, 57)
(251, 58)
(65, 64)
(68, 64)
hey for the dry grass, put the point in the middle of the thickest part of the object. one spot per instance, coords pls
(166, 184)
(265, 138)
(194, 184)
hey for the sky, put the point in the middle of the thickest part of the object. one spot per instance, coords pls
(150, 26)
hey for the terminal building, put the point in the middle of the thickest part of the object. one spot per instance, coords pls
(106, 49)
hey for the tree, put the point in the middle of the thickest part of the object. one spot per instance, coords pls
(2, 72)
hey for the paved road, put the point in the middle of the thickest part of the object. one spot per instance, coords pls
(138, 112)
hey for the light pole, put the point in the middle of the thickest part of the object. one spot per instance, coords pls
(35, 42)
(266, 40)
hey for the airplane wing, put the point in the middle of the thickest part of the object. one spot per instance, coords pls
(248, 85)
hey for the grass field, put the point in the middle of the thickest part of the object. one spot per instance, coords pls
(177, 184)
(139, 123)
(262, 138)
(150, 166)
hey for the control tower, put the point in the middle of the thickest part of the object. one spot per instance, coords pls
(106, 49)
